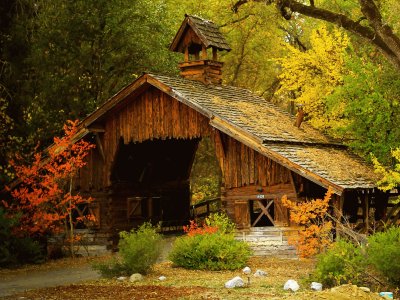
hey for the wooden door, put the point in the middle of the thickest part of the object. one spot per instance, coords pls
(242, 216)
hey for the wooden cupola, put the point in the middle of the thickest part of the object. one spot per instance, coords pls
(194, 38)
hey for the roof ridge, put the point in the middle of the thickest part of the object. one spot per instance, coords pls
(198, 17)
(210, 87)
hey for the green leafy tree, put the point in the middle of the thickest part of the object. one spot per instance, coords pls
(369, 102)
(84, 51)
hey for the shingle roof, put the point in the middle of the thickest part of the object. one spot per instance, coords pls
(303, 148)
(206, 30)
(262, 126)
(246, 110)
(338, 166)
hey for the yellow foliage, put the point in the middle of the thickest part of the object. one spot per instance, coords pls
(390, 178)
(316, 235)
(313, 74)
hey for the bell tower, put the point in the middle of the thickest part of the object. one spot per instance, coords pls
(200, 40)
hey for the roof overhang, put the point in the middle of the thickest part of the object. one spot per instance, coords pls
(216, 122)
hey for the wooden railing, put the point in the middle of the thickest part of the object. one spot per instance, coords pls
(204, 208)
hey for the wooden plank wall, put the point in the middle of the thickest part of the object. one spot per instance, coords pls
(90, 177)
(243, 166)
(248, 174)
(152, 115)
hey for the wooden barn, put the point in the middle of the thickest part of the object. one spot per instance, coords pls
(148, 133)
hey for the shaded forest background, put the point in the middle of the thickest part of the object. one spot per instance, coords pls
(61, 59)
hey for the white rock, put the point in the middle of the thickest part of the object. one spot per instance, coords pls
(260, 273)
(136, 277)
(365, 289)
(316, 286)
(162, 278)
(246, 270)
(122, 278)
(291, 285)
(234, 282)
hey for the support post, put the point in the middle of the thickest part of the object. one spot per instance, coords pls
(203, 53)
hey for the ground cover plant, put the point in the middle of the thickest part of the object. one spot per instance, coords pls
(374, 263)
(138, 252)
(211, 246)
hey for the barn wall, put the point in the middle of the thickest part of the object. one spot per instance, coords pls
(243, 166)
(153, 115)
(251, 177)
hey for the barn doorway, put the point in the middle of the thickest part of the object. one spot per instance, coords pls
(150, 182)
(262, 212)
(205, 180)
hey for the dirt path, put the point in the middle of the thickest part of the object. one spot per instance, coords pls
(57, 273)
(34, 279)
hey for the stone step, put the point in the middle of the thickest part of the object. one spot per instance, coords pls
(261, 238)
(269, 241)
(279, 254)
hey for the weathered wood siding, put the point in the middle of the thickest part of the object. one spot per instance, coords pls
(90, 178)
(243, 166)
(151, 115)
(249, 175)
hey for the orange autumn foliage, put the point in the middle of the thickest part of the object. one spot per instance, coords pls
(44, 197)
(316, 234)
(194, 229)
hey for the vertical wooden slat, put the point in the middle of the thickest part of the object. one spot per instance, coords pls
(251, 166)
(148, 114)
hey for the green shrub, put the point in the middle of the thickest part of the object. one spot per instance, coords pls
(138, 252)
(384, 253)
(211, 251)
(342, 263)
(16, 250)
(221, 221)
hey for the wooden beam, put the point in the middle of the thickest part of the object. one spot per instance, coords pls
(186, 54)
(366, 211)
(214, 53)
(96, 128)
(267, 196)
(203, 52)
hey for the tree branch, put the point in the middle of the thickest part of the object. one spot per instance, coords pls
(236, 21)
(374, 17)
(380, 35)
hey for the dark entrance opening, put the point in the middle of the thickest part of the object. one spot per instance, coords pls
(261, 212)
(150, 182)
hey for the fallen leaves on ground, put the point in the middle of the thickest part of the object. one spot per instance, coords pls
(195, 284)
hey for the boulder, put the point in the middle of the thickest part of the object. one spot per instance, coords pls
(234, 283)
(246, 270)
(291, 285)
(136, 277)
(260, 273)
(162, 278)
(316, 286)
